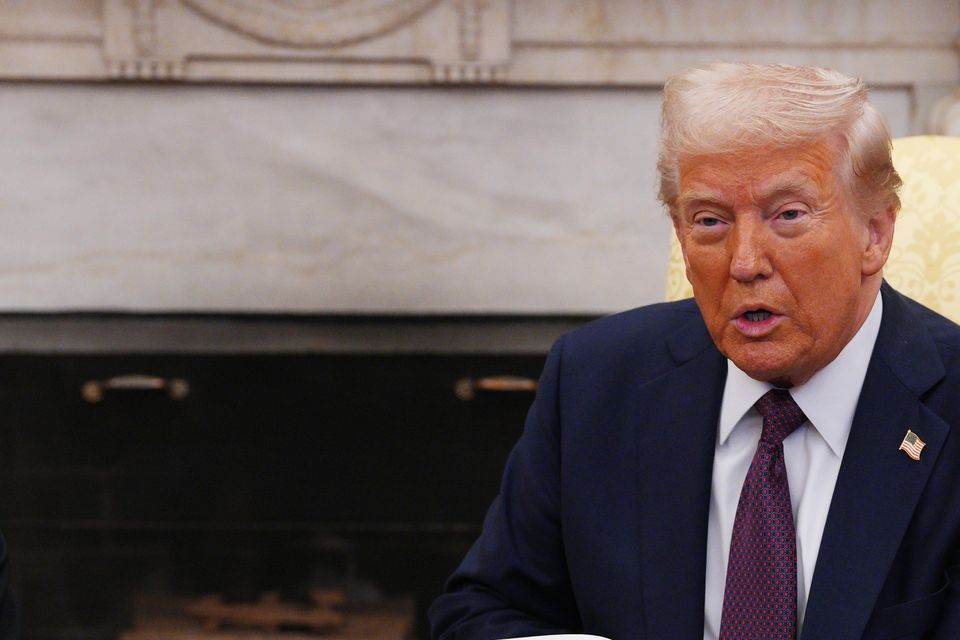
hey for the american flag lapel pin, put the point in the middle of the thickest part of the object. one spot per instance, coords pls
(912, 445)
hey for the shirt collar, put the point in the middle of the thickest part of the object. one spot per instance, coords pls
(829, 398)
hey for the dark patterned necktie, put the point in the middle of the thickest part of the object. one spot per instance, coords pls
(760, 597)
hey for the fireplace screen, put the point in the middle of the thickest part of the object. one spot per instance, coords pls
(247, 496)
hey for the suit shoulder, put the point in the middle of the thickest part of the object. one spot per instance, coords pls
(648, 334)
(944, 331)
(946, 336)
(643, 322)
(914, 326)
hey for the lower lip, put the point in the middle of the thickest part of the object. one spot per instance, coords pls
(757, 329)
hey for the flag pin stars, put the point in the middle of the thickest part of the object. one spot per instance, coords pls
(912, 445)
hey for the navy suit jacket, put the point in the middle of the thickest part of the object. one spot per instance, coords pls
(601, 523)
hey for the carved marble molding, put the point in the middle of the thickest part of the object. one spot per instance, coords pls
(342, 41)
(518, 42)
(311, 23)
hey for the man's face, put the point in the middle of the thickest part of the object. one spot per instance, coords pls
(783, 267)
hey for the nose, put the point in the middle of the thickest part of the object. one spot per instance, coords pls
(749, 255)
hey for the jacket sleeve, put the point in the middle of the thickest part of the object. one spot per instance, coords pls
(514, 581)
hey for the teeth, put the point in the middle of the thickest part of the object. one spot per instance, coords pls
(757, 316)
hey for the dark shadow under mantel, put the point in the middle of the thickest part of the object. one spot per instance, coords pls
(122, 333)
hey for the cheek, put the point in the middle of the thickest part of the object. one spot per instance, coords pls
(823, 281)
(708, 283)
(707, 264)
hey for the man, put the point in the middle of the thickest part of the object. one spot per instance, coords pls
(777, 458)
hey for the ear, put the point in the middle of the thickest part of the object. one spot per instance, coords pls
(879, 240)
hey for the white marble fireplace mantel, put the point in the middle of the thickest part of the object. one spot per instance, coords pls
(410, 156)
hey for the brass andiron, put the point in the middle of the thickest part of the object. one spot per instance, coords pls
(466, 388)
(93, 391)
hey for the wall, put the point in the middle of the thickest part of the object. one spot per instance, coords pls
(405, 156)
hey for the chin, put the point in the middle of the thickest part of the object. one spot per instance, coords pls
(776, 377)
(761, 362)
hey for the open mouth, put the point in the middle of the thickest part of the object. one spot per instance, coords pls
(757, 322)
(756, 315)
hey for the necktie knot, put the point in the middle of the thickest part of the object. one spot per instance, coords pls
(781, 415)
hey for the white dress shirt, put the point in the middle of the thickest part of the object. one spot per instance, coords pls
(812, 455)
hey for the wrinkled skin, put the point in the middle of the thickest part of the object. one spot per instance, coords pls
(776, 230)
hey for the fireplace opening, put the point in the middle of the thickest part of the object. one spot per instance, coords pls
(307, 492)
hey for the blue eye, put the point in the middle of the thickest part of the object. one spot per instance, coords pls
(709, 222)
(791, 214)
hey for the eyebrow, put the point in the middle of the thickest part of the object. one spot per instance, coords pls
(777, 187)
(698, 198)
(786, 185)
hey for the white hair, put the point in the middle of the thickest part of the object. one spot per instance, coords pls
(726, 107)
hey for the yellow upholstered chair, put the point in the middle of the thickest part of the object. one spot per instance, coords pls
(925, 260)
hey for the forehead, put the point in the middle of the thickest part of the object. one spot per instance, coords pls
(760, 172)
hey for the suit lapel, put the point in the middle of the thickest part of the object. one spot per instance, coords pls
(675, 463)
(878, 486)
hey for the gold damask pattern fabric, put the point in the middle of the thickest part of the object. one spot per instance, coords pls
(925, 260)
(678, 287)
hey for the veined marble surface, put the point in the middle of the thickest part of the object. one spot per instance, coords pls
(311, 199)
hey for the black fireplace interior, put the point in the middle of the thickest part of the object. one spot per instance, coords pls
(323, 465)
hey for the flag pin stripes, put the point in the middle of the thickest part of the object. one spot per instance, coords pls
(912, 445)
